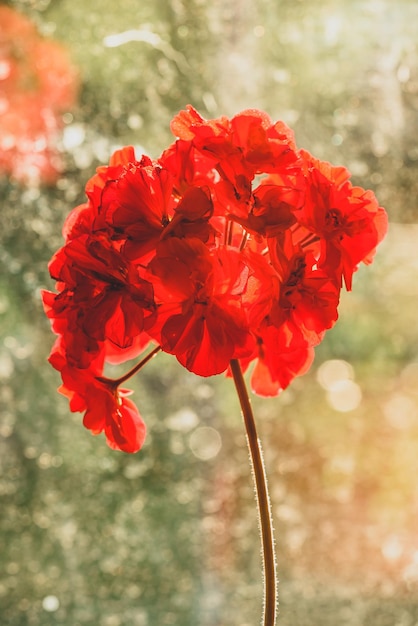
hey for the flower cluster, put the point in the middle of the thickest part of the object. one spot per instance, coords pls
(234, 244)
(37, 83)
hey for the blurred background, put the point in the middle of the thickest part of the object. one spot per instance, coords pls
(90, 536)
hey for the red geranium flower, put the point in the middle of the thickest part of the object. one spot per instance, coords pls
(233, 245)
(347, 221)
(139, 207)
(199, 297)
(111, 411)
(249, 138)
(239, 148)
(188, 167)
(106, 407)
(282, 354)
(102, 297)
(308, 296)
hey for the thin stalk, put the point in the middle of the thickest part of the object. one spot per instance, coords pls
(138, 366)
(134, 370)
(263, 501)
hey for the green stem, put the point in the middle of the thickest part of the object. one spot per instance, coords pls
(260, 479)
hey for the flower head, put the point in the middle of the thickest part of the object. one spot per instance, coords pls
(232, 245)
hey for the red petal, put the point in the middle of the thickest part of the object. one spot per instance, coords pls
(126, 431)
(183, 121)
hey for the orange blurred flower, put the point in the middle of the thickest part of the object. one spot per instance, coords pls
(37, 84)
